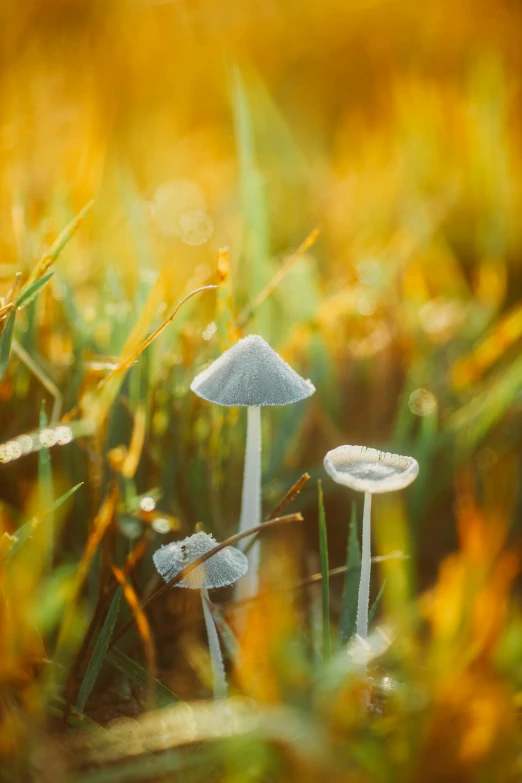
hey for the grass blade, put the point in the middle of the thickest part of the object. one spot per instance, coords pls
(351, 583)
(374, 606)
(325, 582)
(280, 274)
(5, 342)
(253, 197)
(26, 530)
(32, 291)
(66, 495)
(45, 490)
(140, 677)
(77, 719)
(99, 527)
(56, 248)
(142, 626)
(99, 653)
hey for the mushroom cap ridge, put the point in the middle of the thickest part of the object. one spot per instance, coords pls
(251, 373)
(370, 470)
(223, 568)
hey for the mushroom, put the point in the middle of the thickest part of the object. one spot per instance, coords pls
(369, 471)
(224, 568)
(253, 375)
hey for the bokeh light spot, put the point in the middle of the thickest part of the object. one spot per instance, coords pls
(195, 228)
(47, 438)
(147, 504)
(161, 525)
(174, 199)
(422, 402)
(64, 435)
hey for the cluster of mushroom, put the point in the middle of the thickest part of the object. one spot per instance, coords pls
(252, 375)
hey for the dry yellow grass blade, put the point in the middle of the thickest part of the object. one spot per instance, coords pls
(126, 363)
(508, 330)
(281, 273)
(286, 520)
(110, 384)
(139, 549)
(99, 528)
(104, 600)
(142, 624)
(108, 387)
(130, 463)
(227, 330)
(54, 251)
(5, 310)
(313, 579)
(290, 496)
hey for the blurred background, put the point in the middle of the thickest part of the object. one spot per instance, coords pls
(393, 127)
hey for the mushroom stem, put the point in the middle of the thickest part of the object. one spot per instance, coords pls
(251, 499)
(218, 669)
(363, 599)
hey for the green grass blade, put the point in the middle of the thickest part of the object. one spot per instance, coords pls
(256, 272)
(32, 291)
(56, 248)
(26, 530)
(139, 676)
(99, 652)
(66, 495)
(351, 583)
(77, 719)
(325, 582)
(373, 609)
(45, 490)
(487, 406)
(225, 633)
(6, 339)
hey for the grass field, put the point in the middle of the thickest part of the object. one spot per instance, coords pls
(345, 180)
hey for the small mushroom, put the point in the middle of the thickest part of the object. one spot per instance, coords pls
(224, 568)
(369, 471)
(252, 375)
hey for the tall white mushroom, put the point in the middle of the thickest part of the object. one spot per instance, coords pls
(369, 471)
(224, 568)
(252, 375)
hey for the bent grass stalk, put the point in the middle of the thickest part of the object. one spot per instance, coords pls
(132, 353)
(182, 575)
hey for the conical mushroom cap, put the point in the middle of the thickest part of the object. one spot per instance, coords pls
(251, 373)
(223, 568)
(370, 470)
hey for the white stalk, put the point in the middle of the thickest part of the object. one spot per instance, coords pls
(218, 669)
(363, 599)
(251, 501)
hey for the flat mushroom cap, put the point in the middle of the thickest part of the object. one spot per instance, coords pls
(370, 470)
(251, 374)
(223, 568)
